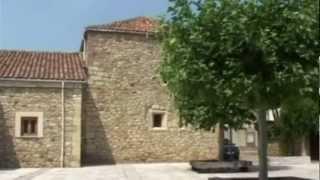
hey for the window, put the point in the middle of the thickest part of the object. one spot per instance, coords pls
(270, 114)
(29, 124)
(158, 119)
(182, 124)
(250, 139)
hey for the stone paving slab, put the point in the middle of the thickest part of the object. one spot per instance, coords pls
(157, 171)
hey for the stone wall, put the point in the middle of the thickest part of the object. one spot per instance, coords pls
(44, 151)
(274, 149)
(124, 84)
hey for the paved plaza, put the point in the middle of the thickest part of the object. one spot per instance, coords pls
(158, 171)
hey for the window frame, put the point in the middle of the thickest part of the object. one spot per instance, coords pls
(253, 135)
(29, 125)
(182, 125)
(18, 124)
(164, 123)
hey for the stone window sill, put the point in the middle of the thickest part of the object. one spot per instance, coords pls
(29, 137)
(183, 129)
(159, 129)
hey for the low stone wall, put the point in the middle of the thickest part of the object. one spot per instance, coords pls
(288, 160)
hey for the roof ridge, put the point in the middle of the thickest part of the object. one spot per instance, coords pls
(122, 20)
(140, 25)
(39, 51)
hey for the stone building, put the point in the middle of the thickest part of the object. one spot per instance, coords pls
(105, 104)
(40, 108)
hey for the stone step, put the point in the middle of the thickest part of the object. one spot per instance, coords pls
(249, 152)
(248, 148)
(280, 160)
(289, 160)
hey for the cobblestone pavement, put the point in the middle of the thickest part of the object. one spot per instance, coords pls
(159, 171)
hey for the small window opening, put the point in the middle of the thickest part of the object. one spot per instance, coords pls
(29, 126)
(157, 120)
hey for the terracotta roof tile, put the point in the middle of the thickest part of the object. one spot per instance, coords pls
(134, 25)
(42, 65)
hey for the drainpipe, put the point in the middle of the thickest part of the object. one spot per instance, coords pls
(230, 134)
(62, 125)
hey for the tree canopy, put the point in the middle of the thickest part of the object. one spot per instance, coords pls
(223, 58)
(299, 118)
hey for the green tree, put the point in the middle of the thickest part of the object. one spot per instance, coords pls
(298, 120)
(224, 58)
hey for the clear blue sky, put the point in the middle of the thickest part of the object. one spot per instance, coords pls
(58, 25)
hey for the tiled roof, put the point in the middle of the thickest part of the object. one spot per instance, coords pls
(140, 25)
(41, 66)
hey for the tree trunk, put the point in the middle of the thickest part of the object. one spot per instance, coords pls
(263, 145)
(230, 134)
(221, 141)
(303, 146)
